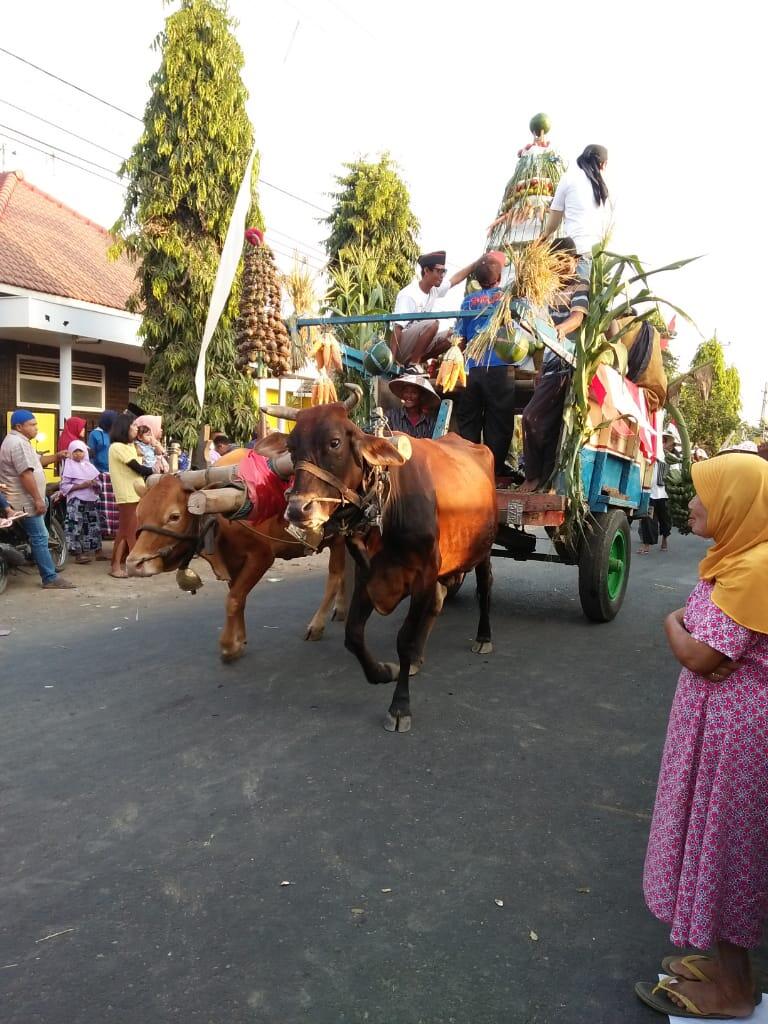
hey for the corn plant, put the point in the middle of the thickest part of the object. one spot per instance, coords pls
(618, 286)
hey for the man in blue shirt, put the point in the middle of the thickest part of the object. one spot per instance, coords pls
(486, 409)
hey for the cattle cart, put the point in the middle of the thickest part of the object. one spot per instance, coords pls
(616, 471)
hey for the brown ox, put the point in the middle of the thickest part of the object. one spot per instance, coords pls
(241, 554)
(438, 520)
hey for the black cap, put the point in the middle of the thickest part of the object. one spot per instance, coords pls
(432, 259)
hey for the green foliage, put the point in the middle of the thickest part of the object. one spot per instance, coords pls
(613, 277)
(711, 422)
(355, 291)
(372, 209)
(182, 178)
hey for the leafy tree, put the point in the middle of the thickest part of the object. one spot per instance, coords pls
(711, 422)
(182, 178)
(372, 209)
(355, 291)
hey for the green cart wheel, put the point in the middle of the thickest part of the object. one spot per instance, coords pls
(606, 553)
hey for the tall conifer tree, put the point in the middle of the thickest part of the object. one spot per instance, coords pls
(182, 178)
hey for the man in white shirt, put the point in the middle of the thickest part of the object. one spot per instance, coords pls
(416, 340)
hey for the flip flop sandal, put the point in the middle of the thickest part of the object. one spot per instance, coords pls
(689, 962)
(655, 996)
(699, 975)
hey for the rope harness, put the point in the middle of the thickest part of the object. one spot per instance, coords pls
(198, 539)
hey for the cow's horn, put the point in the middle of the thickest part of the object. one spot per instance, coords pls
(354, 398)
(280, 412)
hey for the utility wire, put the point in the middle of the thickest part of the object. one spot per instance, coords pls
(308, 256)
(71, 85)
(46, 152)
(66, 152)
(61, 128)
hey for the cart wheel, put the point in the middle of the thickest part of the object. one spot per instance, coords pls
(455, 587)
(604, 565)
(57, 542)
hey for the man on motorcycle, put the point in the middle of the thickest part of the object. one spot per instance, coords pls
(21, 471)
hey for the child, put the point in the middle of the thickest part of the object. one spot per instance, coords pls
(706, 869)
(149, 430)
(80, 486)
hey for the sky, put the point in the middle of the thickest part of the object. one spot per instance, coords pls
(675, 91)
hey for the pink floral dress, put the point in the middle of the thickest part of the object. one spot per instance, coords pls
(706, 869)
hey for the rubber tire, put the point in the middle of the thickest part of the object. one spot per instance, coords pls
(455, 587)
(58, 544)
(602, 530)
(4, 574)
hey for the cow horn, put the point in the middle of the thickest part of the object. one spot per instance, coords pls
(354, 398)
(280, 412)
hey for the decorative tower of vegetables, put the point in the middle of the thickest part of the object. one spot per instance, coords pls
(264, 347)
(529, 191)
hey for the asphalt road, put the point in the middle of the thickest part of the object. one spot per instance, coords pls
(154, 803)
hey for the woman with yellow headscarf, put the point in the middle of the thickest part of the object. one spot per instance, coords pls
(706, 869)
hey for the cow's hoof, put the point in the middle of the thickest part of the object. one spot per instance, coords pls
(482, 647)
(314, 632)
(415, 668)
(233, 655)
(397, 722)
(339, 615)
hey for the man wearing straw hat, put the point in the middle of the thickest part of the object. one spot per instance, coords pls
(413, 341)
(418, 411)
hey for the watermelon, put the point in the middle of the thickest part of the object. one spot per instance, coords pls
(378, 359)
(540, 124)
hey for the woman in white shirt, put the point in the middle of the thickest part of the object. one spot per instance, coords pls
(581, 205)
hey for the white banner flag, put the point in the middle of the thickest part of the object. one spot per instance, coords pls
(225, 275)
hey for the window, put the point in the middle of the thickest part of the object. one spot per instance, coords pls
(135, 380)
(37, 384)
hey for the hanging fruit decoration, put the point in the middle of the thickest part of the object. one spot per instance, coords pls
(327, 353)
(264, 347)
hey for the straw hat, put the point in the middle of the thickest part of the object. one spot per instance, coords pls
(429, 396)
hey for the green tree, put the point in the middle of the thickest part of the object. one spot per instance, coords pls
(711, 422)
(182, 178)
(372, 209)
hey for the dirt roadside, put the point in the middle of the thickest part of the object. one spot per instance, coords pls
(25, 603)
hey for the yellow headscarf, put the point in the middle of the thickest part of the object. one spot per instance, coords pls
(734, 490)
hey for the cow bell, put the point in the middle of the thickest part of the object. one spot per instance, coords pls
(187, 579)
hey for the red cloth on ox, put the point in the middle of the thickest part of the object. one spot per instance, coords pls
(266, 489)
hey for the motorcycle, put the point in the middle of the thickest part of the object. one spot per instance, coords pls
(15, 549)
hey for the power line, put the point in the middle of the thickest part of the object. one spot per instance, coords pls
(61, 128)
(308, 256)
(45, 152)
(66, 152)
(71, 85)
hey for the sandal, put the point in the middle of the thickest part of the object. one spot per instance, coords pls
(655, 996)
(686, 961)
(699, 975)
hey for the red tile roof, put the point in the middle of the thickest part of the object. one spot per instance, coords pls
(46, 247)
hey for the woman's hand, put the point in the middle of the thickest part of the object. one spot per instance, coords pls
(726, 668)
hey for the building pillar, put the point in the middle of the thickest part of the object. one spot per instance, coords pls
(65, 380)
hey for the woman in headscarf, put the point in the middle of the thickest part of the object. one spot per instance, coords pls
(98, 446)
(706, 869)
(124, 469)
(581, 206)
(149, 433)
(80, 486)
(74, 430)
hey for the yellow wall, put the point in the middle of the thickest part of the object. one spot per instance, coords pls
(47, 435)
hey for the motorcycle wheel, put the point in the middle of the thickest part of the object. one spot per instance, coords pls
(57, 542)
